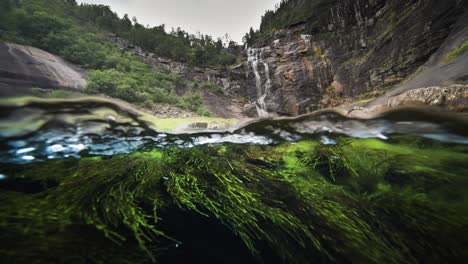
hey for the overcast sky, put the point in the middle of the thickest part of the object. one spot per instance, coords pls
(212, 17)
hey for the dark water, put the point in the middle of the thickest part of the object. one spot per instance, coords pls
(92, 181)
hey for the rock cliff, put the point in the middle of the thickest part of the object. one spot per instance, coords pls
(355, 47)
(23, 67)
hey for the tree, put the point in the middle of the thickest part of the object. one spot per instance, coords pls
(249, 38)
(125, 25)
(5, 8)
(219, 44)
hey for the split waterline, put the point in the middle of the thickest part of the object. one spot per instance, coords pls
(35, 130)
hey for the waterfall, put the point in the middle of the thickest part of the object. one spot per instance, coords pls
(253, 60)
(255, 56)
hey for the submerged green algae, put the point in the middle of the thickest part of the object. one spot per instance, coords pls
(362, 201)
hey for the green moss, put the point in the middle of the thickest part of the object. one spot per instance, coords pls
(363, 101)
(394, 19)
(457, 52)
(209, 86)
(173, 124)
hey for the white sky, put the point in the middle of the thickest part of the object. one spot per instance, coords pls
(211, 17)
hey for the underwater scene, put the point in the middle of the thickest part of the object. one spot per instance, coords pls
(92, 181)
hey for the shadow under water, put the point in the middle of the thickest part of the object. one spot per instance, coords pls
(91, 181)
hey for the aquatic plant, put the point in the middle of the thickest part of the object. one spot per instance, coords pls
(108, 194)
(291, 203)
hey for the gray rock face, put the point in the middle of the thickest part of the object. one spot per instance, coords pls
(356, 47)
(453, 98)
(23, 67)
(293, 72)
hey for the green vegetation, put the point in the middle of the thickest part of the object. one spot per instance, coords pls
(209, 86)
(135, 83)
(457, 52)
(194, 103)
(362, 201)
(367, 97)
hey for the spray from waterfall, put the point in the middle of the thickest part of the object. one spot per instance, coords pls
(255, 56)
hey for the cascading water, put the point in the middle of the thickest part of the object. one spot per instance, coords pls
(253, 60)
(255, 56)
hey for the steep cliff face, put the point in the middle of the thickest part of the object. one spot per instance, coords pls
(350, 48)
(289, 76)
(23, 67)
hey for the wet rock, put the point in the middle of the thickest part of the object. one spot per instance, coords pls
(249, 110)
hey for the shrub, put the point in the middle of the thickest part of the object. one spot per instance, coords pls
(191, 101)
(210, 86)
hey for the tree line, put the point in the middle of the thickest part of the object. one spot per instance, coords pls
(285, 14)
(44, 23)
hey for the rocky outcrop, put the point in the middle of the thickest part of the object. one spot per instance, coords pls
(23, 67)
(357, 47)
(453, 98)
